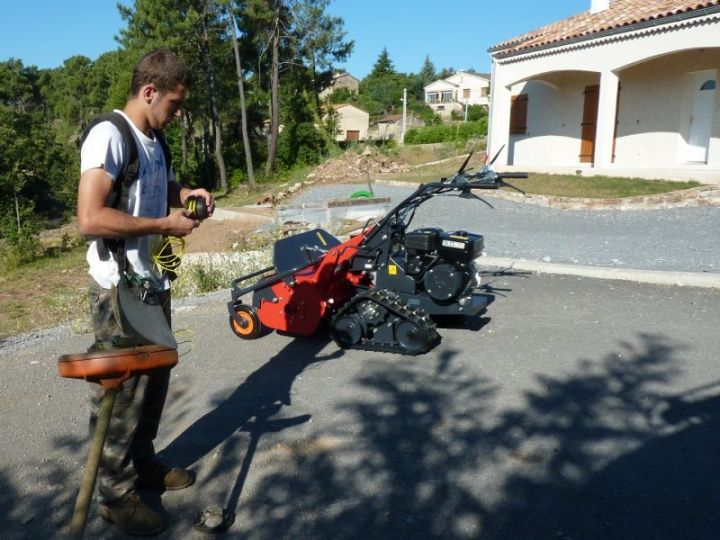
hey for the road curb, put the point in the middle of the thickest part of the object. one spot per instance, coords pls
(705, 280)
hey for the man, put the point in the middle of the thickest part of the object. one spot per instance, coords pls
(127, 234)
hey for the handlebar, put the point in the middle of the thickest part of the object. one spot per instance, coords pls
(483, 185)
(494, 180)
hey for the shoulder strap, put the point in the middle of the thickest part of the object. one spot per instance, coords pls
(128, 174)
(131, 166)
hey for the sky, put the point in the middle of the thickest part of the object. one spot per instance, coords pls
(453, 33)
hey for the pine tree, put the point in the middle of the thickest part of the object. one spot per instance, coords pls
(427, 72)
(383, 65)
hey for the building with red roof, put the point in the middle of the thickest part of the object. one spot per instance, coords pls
(628, 87)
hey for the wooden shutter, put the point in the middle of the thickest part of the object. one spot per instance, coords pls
(589, 124)
(518, 114)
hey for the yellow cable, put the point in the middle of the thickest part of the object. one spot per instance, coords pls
(170, 254)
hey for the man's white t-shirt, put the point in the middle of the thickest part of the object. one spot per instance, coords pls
(147, 197)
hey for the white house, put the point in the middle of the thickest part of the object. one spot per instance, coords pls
(627, 88)
(457, 91)
(352, 123)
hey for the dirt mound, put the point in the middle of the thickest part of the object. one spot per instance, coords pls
(352, 165)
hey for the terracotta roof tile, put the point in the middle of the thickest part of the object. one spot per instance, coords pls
(621, 13)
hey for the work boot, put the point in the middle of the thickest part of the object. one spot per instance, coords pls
(132, 516)
(159, 477)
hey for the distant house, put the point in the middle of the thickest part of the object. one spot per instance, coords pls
(389, 126)
(457, 91)
(352, 123)
(628, 88)
(341, 80)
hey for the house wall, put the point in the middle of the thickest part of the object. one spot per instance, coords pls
(456, 84)
(341, 81)
(351, 83)
(655, 109)
(555, 107)
(652, 68)
(474, 84)
(445, 109)
(352, 119)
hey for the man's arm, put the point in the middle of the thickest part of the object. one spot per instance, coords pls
(96, 219)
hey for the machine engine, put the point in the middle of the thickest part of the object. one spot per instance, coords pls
(441, 262)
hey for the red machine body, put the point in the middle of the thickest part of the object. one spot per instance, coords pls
(304, 299)
(296, 294)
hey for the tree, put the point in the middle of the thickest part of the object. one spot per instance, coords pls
(426, 76)
(319, 42)
(265, 20)
(382, 89)
(26, 142)
(427, 72)
(188, 28)
(232, 24)
(383, 65)
(446, 72)
(274, 90)
(70, 95)
(205, 17)
(282, 57)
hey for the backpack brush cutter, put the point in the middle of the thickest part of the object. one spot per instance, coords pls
(379, 289)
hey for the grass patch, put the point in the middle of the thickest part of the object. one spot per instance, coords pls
(417, 154)
(597, 187)
(557, 185)
(43, 293)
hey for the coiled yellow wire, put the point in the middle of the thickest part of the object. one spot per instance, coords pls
(170, 254)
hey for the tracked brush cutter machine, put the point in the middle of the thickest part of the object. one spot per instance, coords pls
(380, 289)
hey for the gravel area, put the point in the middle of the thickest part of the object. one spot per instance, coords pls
(678, 239)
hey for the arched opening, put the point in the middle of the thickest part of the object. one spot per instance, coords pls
(666, 112)
(558, 119)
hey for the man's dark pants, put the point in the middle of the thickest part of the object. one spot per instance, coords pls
(138, 405)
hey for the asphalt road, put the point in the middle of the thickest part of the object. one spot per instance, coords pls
(567, 413)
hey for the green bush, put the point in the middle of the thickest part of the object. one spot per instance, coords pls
(237, 178)
(475, 113)
(23, 250)
(447, 133)
(301, 143)
(207, 278)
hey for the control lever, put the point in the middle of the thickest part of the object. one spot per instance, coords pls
(503, 176)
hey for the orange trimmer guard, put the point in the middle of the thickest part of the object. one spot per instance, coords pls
(111, 368)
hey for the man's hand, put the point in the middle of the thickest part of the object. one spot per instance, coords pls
(179, 196)
(201, 193)
(179, 224)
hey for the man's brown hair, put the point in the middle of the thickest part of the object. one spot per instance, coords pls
(163, 69)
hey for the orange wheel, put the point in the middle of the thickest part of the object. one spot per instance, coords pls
(246, 323)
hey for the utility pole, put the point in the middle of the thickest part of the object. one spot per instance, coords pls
(404, 121)
(466, 108)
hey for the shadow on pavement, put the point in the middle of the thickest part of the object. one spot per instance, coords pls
(427, 451)
(578, 460)
(251, 404)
